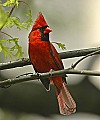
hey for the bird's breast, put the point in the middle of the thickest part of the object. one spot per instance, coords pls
(40, 57)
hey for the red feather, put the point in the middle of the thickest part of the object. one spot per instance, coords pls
(39, 22)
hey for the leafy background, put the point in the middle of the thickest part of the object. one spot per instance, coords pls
(74, 23)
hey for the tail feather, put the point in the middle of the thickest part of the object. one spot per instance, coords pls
(67, 105)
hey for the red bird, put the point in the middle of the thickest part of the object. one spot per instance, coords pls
(44, 58)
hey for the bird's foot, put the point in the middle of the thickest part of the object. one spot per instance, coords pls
(50, 72)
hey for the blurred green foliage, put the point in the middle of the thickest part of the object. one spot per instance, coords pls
(10, 50)
(15, 21)
(11, 2)
(9, 21)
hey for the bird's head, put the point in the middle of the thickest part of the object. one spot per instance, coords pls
(40, 28)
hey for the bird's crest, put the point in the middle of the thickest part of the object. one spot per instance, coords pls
(39, 22)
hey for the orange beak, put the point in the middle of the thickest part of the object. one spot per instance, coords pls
(47, 30)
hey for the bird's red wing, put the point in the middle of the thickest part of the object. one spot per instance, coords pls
(56, 58)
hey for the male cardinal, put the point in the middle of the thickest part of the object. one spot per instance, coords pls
(44, 58)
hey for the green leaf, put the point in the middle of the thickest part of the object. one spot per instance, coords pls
(15, 51)
(10, 3)
(29, 13)
(60, 45)
(17, 47)
(3, 16)
(29, 20)
(6, 51)
(0, 48)
(11, 47)
(15, 21)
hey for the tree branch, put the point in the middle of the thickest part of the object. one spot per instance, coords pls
(9, 82)
(90, 54)
(19, 63)
(63, 55)
(78, 53)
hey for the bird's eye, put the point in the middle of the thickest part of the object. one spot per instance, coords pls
(42, 29)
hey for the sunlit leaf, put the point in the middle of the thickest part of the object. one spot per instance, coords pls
(11, 47)
(0, 48)
(10, 3)
(60, 45)
(15, 21)
(17, 47)
(15, 51)
(3, 16)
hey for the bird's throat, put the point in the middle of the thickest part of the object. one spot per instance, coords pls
(45, 37)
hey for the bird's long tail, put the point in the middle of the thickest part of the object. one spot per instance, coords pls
(66, 103)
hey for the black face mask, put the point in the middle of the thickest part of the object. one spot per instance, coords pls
(44, 37)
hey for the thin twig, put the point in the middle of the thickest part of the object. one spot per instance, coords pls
(9, 82)
(64, 55)
(6, 34)
(24, 3)
(88, 55)
(7, 17)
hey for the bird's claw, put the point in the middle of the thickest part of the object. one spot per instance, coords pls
(50, 72)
